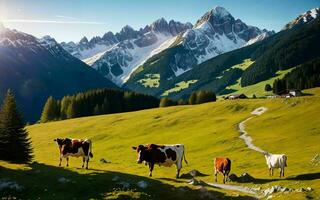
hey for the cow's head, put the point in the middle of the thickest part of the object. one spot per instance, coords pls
(62, 141)
(141, 150)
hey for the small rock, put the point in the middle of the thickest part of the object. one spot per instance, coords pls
(192, 173)
(245, 178)
(300, 190)
(194, 181)
(275, 189)
(142, 184)
(309, 189)
(104, 161)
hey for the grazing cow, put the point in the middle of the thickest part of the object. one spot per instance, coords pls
(222, 165)
(75, 148)
(276, 161)
(163, 155)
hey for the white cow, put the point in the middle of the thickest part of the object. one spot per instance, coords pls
(276, 161)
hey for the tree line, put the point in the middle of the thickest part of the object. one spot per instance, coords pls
(197, 97)
(304, 76)
(96, 102)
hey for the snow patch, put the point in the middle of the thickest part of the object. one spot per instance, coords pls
(89, 61)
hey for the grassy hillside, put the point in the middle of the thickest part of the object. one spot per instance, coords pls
(290, 126)
(258, 88)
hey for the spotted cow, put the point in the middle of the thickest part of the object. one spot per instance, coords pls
(75, 148)
(222, 165)
(163, 155)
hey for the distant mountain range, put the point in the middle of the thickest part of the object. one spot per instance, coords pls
(117, 56)
(37, 68)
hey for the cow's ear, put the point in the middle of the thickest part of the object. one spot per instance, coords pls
(55, 140)
(134, 148)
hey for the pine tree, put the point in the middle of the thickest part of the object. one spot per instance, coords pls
(51, 111)
(268, 87)
(15, 145)
(165, 102)
(193, 98)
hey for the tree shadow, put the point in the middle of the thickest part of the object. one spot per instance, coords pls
(42, 181)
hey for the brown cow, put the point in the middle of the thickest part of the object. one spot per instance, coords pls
(163, 155)
(75, 148)
(222, 165)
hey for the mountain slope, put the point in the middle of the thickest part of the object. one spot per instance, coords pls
(37, 68)
(121, 60)
(280, 51)
(299, 45)
(215, 33)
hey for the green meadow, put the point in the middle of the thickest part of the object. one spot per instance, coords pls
(290, 126)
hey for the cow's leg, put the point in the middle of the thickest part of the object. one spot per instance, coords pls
(151, 165)
(67, 158)
(179, 166)
(227, 176)
(280, 172)
(215, 175)
(87, 160)
(271, 171)
(283, 172)
(224, 178)
(60, 161)
(83, 161)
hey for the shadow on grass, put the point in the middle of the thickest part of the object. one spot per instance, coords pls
(49, 182)
(300, 177)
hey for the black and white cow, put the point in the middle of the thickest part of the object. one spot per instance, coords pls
(163, 155)
(75, 148)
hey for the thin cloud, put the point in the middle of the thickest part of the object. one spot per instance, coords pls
(66, 17)
(51, 21)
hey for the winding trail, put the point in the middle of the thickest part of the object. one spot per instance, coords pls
(238, 188)
(248, 140)
(244, 134)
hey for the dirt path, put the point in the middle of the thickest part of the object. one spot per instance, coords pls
(244, 134)
(238, 188)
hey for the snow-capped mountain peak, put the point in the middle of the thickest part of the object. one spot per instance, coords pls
(48, 41)
(219, 11)
(84, 40)
(216, 32)
(304, 18)
(215, 16)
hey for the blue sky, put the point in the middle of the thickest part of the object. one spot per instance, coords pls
(68, 20)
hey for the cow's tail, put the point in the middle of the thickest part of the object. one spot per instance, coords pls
(184, 156)
(90, 149)
(285, 160)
